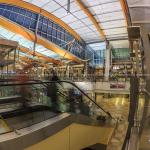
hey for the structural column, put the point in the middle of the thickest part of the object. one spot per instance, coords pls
(145, 30)
(107, 61)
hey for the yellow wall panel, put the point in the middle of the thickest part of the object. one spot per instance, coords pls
(58, 141)
(84, 135)
(75, 137)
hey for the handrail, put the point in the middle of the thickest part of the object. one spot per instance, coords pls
(113, 134)
(72, 83)
(60, 81)
(145, 91)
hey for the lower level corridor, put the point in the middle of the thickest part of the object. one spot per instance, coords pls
(117, 105)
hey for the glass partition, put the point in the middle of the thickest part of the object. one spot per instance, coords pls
(38, 101)
(60, 96)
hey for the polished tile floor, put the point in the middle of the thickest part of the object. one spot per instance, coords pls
(144, 143)
(116, 105)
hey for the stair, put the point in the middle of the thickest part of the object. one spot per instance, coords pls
(11, 99)
(23, 111)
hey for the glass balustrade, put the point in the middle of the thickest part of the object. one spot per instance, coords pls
(59, 96)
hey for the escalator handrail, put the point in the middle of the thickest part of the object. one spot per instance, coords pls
(73, 84)
(59, 81)
(145, 91)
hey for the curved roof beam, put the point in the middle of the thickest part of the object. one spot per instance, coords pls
(43, 12)
(92, 18)
(30, 36)
(39, 55)
(125, 10)
(15, 45)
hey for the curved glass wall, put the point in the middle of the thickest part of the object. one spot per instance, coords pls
(99, 53)
(46, 28)
(99, 58)
(96, 57)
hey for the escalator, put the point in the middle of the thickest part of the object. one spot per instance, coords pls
(20, 111)
(70, 98)
(24, 106)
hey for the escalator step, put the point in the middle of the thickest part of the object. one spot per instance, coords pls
(11, 99)
(22, 111)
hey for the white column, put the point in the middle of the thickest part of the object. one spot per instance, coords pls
(68, 70)
(107, 61)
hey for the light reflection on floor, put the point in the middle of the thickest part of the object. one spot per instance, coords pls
(145, 137)
(117, 105)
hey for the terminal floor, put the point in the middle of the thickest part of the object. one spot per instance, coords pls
(118, 106)
(144, 142)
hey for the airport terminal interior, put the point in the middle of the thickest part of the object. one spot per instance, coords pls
(74, 74)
